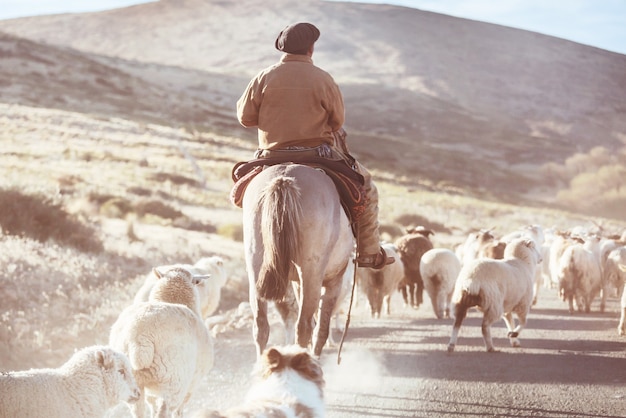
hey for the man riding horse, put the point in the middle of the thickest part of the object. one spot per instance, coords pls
(297, 106)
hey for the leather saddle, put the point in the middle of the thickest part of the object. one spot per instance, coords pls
(349, 183)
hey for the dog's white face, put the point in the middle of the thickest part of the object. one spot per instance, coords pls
(289, 382)
(290, 376)
(294, 357)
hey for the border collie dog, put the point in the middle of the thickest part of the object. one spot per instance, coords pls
(289, 383)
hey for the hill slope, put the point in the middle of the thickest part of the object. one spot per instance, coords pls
(454, 101)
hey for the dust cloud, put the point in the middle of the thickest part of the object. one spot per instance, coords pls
(361, 370)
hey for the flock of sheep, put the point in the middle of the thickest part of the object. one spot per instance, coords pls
(502, 276)
(160, 347)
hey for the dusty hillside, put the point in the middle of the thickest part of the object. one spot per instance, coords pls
(454, 101)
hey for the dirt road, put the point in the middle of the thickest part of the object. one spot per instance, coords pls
(398, 366)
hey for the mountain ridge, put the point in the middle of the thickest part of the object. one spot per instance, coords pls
(495, 101)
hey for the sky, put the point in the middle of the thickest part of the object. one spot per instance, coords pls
(599, 23)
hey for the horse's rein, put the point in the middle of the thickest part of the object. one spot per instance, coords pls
(345, 329)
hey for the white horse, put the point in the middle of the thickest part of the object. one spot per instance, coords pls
(295, 231)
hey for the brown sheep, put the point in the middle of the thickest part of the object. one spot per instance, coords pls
(411, 247)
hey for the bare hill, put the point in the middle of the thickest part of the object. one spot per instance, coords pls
(436, 100)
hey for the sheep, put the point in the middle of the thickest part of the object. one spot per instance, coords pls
(580, 275)
(169, 347)
(498, 288)
(93, 380)
(479, 244)
(411, 247)
(560, 241)
(209, 290)
(534, 232)
(621, 328)
(549, 238)
(439, 269)
(612, 275)
(380, 284)
(609, 261)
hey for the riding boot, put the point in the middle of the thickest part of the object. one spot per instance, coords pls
(370, 253)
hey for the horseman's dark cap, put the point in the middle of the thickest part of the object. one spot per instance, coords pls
(297, 38)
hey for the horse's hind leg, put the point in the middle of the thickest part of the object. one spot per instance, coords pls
(288, 310)
(260, 325)
(310, 292)
(329, 300)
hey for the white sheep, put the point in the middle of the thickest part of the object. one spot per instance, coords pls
(609, 259)
(550, 235)
(92, 381)
(534, 232)
(580, 274)
(478, 244)
(379, 284)
(439, 269)
(169, 347)
(209, 290)
(498, 288)
(560, 241)
(612, 275)
(621, 328)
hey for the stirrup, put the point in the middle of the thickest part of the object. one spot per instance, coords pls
(375, 261)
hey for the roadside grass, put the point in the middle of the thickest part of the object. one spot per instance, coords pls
(88, 209)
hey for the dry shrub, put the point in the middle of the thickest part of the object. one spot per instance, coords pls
(39, 218)
(191, 225)
(55, 297)
(393, 231)
(175, 179)
(411, 220)
(157, 208)
(116, 207)
(139, 191)
(232, 231)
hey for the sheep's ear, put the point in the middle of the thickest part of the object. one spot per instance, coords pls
(199, 278)
(158, 273)
(104, 359)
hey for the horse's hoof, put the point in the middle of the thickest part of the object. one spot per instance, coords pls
(492, 350)
(450, 348)
(512, 334)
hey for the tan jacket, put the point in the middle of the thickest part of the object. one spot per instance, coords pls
(293, 103)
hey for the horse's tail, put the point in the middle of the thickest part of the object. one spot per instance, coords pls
(280, 213)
